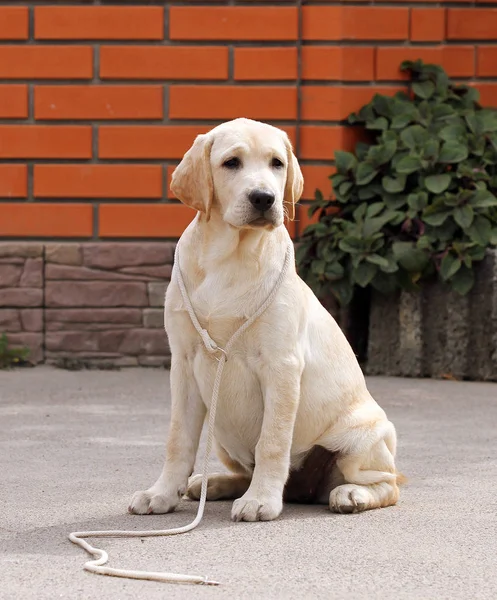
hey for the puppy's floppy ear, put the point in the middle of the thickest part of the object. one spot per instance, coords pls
(192, 179)
(294, 181)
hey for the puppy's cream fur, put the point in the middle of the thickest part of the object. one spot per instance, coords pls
(292, 382)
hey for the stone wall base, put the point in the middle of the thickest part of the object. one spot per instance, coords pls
(437, 333)
(89, 303)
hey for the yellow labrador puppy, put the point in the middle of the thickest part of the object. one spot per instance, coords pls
(295, 419)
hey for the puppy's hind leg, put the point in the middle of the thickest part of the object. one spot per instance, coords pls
(368, 469)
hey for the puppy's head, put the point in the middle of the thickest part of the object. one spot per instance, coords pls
(244, 169)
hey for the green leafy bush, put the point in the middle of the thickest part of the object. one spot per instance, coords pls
(10, 357)
(417, 202)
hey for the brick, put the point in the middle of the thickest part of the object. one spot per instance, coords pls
(319, 142)
(98, 181)
(159, 142)
(144, 220)
(229, 102)
(46, 62)
(99, 23)
(276, 64)
(14, 23)
(354, 23)
(238, 23)
(13, 181)
(321, 103)
(338, 63)
(322, 23)
(46, 220)
(471, 24)
(63, 272)
(118, 255)
(45, 141)
(163, 62)
(316, 177)
(458, 61)
(96, 294)
(98, 102)
(13, 101)
(488, 94)
(486, 65)
(428, 24)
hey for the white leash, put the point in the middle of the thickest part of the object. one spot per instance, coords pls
(101, 557)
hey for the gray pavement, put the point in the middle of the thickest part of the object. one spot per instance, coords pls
(74, 446)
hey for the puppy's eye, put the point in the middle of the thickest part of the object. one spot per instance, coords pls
(276, 163)
(232, 163)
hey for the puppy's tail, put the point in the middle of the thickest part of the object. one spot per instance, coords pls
(401, 478)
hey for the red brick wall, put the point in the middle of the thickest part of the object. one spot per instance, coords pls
(99, 100)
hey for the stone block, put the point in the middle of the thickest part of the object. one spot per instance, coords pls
(153, 318)
(157, 293)
(436, 332)
(120, 316)
(21, 249)
(21, 297)
(95, 294)
(127, 254)
(154, 361)
(33, 341)
(32, 275)
(68, 272)
(144, 342)
(9, 320)
(32, 319)
(10, 275)
(64, 254)
(159, 272)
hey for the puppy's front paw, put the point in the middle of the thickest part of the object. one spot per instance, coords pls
(350, 498)
(153, 501)
(253, 508)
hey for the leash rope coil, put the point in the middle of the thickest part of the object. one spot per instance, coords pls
(96, 565)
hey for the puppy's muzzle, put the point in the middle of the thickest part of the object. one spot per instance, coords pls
(261, 200)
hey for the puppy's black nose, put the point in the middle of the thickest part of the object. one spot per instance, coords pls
(261, 200)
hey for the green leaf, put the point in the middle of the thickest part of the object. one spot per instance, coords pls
(345, 188)
(414, 136)
(452, 152)
(343, 291)
(483, 199)
(374, 209)
(318, 267)
(463, 281)
(378, 124)
(393, 185)
(334, 271)
(408, 164)
(437, 183)
(376, 259)
(417, 201)
(449, 266)
(453, 132)
(463, 216)
(364, 273)
(345, 161)
(480, 231)
(423, 89)
(412, 259)
(365, 173)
